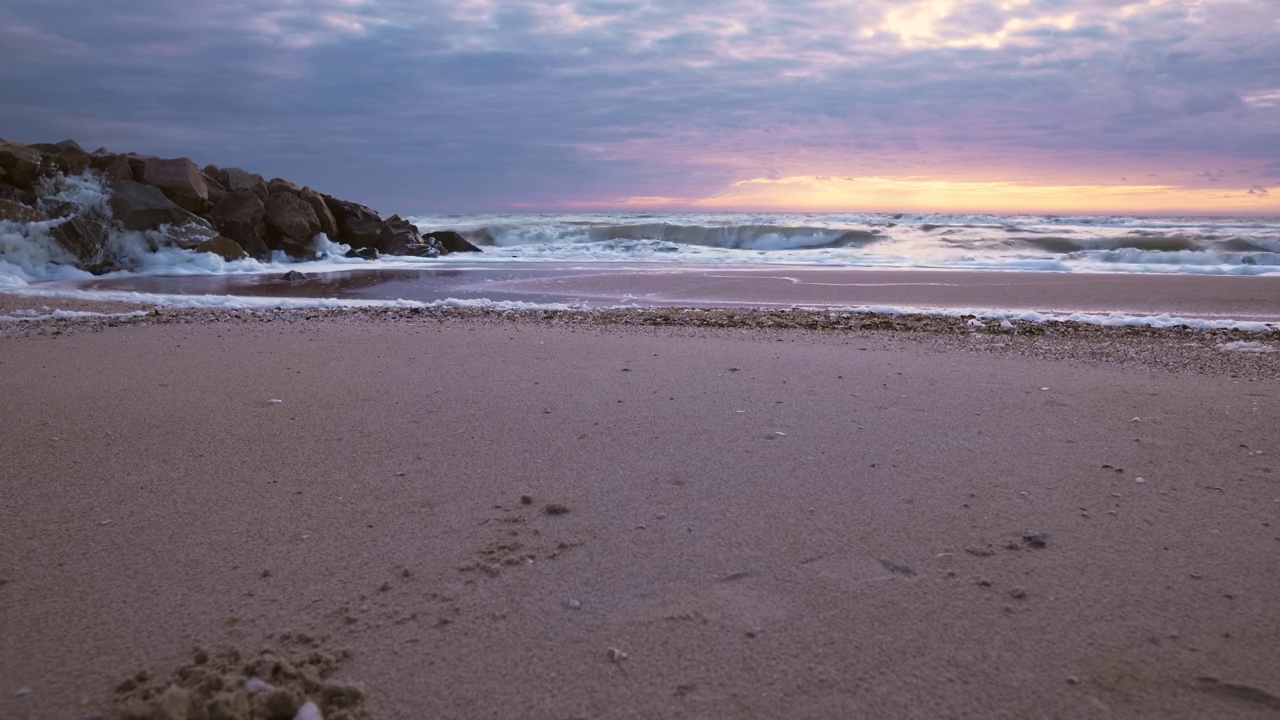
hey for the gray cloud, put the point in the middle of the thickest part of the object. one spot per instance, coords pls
(477, 104)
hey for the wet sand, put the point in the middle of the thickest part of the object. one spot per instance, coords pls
(760, 523)
(1240, 298)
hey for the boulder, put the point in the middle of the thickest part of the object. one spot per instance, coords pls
(291, 217)
(180, 181)
(216, 189)
(102, 152)
(451, 242)
(21, 163)
(248, 237)
(237, 179)
(279, 185)
(138, 166)
(55, 208)
(83, 237)
(142, 207)
(72, 160)
(295, 276)
(296, 250)
(15, 195)
(55, 148)
(396, 235)
(328, 223)
(215, 172)
(242, 206)
(19, 212)
(3, 172)
(224, 247)
(365, 253)
(358, 226)
(420, 250)
(119, 169)
(102, 162)
(190, 235)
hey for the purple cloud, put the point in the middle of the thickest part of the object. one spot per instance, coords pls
(480, 104)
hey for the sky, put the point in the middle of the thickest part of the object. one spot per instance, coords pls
(1108, 106)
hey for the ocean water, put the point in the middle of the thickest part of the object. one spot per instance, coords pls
(1227, 246)
(544, 248)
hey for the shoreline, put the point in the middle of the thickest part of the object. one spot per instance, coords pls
(1245, 354)
(762, 521)
(1248, 302)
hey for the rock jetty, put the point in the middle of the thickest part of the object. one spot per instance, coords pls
(229, 212)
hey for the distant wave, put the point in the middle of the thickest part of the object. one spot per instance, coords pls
(730, 237)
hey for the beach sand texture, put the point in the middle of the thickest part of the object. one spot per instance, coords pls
(758, 524)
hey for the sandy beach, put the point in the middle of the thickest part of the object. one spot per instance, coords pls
(759, 523)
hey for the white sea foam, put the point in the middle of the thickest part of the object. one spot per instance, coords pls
(30, 315)
(1008, 317)
(1247, 346)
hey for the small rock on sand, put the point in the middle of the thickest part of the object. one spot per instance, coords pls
(556, 509)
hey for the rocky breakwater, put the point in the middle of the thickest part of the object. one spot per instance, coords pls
(172, 202)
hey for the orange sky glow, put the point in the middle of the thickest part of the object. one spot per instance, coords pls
(816, 193)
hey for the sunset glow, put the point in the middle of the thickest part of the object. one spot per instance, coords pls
(1119, 106)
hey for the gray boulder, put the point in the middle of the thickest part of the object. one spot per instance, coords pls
(217, 191)
(19, 212)
(248, 237)
(397, 235)
(83, 237)
(451, 242)
(238, 206)
(420, 250)
(180, 181)
(118, 170)
(297, 250)
(15, 195)
(358, 226)
(22, 164)
(237, 179)
(72, 160)
(328, 223)
(138, 166)
(291, 217)
(55, 148)
(143, 207)
(224, 247)
(366, 253)
(279, 185)
(103, 161)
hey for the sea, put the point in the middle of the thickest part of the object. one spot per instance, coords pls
(31, 262)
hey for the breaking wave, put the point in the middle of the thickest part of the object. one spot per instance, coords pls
(1023, 242)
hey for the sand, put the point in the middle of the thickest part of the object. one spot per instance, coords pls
(890, 521)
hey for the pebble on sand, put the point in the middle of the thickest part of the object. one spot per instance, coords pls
(574, 604)
(556, 509)
(616, 655)
(273, 401)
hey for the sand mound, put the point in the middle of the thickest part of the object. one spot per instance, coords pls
(225, 686)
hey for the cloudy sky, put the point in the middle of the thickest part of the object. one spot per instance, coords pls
(493, 105)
